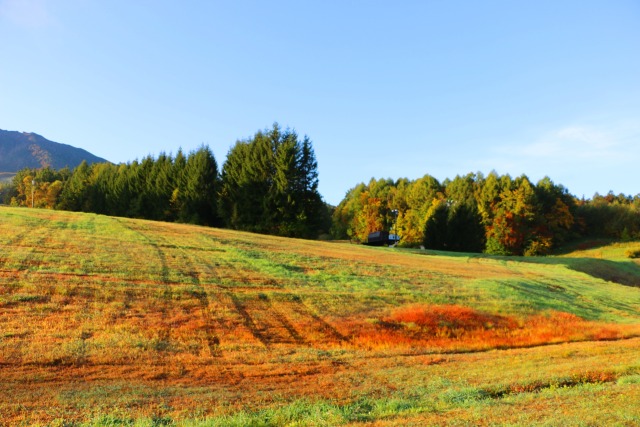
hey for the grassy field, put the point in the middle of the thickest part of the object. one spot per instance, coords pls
(110, 321)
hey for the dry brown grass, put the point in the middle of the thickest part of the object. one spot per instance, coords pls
(134, 318)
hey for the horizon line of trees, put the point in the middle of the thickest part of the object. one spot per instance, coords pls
(495, 214)
(268, 184)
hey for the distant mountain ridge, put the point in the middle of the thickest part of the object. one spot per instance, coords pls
(19, 150)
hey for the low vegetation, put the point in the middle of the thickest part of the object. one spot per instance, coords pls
(633, 253)
(117, 322)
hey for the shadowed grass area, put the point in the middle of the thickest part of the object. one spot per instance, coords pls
(622, 272)
(111, 321)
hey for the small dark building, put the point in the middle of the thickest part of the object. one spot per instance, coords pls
(380, 238)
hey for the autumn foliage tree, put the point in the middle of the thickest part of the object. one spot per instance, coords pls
(37, 187)
(365, 209)
(471, 213)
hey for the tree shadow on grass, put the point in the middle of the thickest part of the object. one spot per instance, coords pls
(625, 273)
(622, 272)
(583, 245)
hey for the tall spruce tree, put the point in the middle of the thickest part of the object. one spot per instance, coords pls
(435, 228)
(465, 232)
(74, 194)
(269, 185)
(201, 187)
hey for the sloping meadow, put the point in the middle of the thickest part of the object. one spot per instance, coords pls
(111, 320)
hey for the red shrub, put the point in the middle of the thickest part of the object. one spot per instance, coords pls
(459, 328)
(454, 317)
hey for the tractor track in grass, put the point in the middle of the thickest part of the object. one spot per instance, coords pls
(21, 249)
(238, 372)
(211, 323)
(313, 323)
(255, 314)
(268, 319)
(162, 343)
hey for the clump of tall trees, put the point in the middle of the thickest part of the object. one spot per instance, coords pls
(476, 213)
(268, 184)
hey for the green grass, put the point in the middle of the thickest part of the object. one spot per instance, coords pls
(119, 322)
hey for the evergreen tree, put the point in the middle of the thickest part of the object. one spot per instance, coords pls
(74, 195)
(287, 192)
(435, 229)
(465, 232)
(242, 192)
(314, 213)
(269, 185)
(200, 190)
(178, 186)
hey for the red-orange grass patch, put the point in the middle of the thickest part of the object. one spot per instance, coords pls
(459, 328)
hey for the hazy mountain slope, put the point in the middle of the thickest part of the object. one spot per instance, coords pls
(19, 150)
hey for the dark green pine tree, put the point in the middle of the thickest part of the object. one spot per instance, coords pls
(146, 184)
(178, 186)
(120, 192)
(97, 192)
(285, 195)
(74, 193)
(315, 214)
(160, 187)
(200, 188)
(435, 229)
(465, 232)
(269, 185)
(242, 193)
(259, 177)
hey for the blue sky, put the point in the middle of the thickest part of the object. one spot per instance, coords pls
(383, 89)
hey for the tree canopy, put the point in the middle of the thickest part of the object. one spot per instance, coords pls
(476, 213)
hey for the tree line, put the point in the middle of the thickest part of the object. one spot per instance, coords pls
(268, 184)
(496, 214)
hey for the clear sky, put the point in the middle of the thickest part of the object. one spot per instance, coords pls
(384, 89)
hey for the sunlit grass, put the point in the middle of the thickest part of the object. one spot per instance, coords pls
(109, 321)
